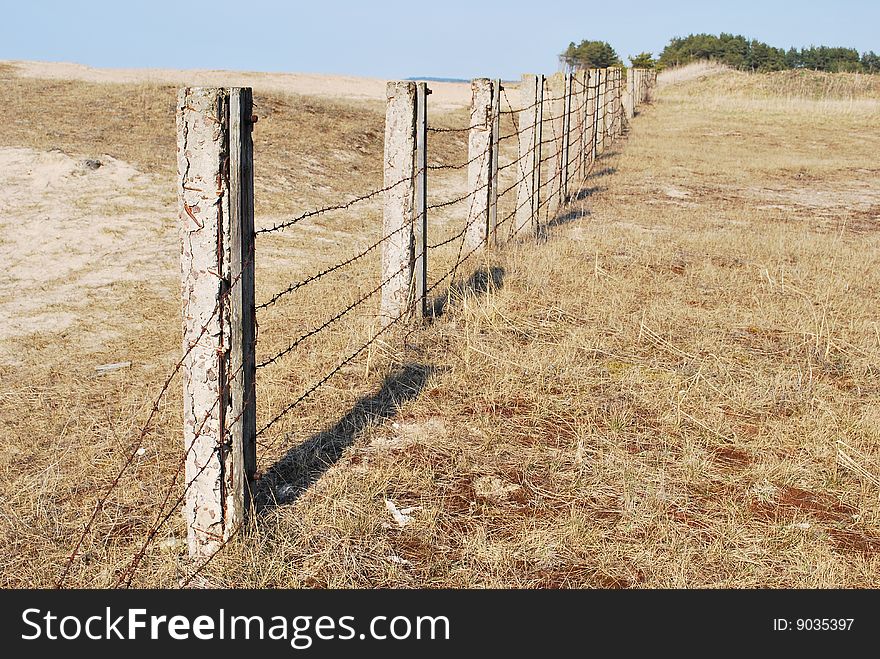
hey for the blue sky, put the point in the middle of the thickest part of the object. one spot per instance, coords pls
(397, 39)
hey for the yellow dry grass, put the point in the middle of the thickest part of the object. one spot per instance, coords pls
(677, 388)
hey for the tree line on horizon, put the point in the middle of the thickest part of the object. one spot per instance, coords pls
(735, 51)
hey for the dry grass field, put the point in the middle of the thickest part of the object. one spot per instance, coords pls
(677, 388)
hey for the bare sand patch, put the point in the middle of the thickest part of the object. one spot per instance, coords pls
(72, 227)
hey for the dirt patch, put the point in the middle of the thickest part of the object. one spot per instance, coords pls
(854, 541)
(732, 457)
(788, 501)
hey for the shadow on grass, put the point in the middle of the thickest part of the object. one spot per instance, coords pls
(286, 480)
(570, 215)
(482, 280)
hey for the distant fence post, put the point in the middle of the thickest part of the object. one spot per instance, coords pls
(398, 216)
(586, 147)
(566, 135)
(420, 228)
(615, 101)
(618, 101)
(479, 156)
(556, 109)
(579, 102)
(525, 192)
(630, 95)
(539, 139)
(216, 227)
(493, 171)
(602, 100)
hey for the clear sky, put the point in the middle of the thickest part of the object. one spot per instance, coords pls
(395, 39)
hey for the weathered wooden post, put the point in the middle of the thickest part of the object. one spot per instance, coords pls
(556, 110)
(398, 216)
(493, 167)
(525, 192)
(479, 159)
(216, 227)
(420, 228)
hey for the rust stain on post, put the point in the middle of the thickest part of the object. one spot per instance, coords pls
(216, 231)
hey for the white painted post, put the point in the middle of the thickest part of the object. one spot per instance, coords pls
(216, 228)
(525, 171)
(398, 217)
(479, 159)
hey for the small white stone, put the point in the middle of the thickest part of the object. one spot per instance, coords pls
(141, 451)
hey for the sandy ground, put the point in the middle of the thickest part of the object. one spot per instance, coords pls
(70, 228)
(444, 95)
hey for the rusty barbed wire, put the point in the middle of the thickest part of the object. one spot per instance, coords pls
(154, 409)
(317, 330)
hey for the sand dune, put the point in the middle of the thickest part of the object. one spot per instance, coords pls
(445, 95)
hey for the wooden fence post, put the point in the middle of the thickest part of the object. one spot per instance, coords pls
(398, 216)
(525, 192)
(216, 227)
(493, 171)
(479, 161)
(420, 228)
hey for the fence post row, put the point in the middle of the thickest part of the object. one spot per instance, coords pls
(479, 165)
(216, 228)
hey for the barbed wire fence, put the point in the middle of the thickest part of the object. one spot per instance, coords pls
(525, 161)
